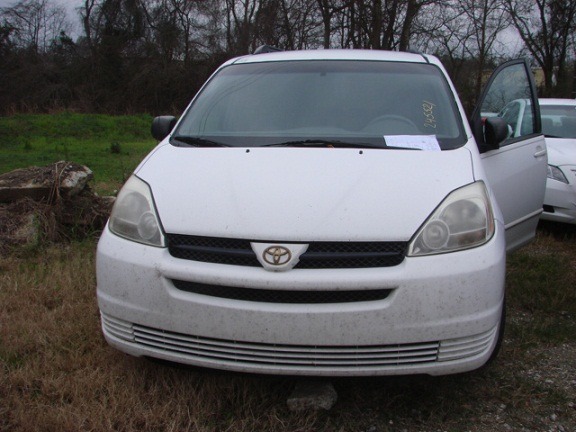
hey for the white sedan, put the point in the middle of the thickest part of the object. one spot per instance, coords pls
(559, 128)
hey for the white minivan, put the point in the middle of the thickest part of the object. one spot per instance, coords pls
(327, 213)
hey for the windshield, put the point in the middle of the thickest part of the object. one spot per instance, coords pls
(330, 103)
(558, 121)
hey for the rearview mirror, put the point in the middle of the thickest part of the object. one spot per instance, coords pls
(495, 131)
(162, 126)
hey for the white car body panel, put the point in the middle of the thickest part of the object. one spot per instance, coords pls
(515, 172)
(438, 313)
(302, 194)
(516, 168)
(562, 152)
(338, 54)
(560, 198)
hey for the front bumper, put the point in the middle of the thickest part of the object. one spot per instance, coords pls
(442, 314)
(560, 198)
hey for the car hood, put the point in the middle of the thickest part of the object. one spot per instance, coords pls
(301, 194)
(561, 151)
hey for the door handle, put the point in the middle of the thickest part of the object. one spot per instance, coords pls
(540, 153)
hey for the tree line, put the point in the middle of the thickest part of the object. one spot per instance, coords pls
(128, 56)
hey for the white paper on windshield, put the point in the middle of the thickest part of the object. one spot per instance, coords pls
(420, 142)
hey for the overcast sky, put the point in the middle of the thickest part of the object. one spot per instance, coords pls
(69, 4)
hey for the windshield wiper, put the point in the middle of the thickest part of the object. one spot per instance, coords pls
(321, 143)
(551, 136)
(197, 141)
(335, 144)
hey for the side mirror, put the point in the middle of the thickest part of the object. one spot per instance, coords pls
(495, 131)
(162, 126)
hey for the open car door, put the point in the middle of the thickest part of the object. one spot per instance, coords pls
(516, 166)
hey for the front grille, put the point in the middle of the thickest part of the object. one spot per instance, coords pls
(320, 255)
(212, 250)
(352, 255)
(297, 357)
(281, 296)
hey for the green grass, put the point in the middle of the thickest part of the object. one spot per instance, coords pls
(111, 146)
(541, 284)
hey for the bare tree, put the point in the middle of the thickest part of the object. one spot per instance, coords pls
(302, 23)
(240, 15)
(35, 24)
(483, 22)
(86, 13)
(288, 24)
(381, 24)
(411, 12)
(433, 29)
(329, 11)
(546, 27)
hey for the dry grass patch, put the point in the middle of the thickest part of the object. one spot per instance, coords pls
(58, 374)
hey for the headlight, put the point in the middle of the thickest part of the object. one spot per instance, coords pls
(134, 216)
(555, 173)
(463, 220)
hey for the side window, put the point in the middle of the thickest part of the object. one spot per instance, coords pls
(511, 113)
(527, 126)
(510, 95)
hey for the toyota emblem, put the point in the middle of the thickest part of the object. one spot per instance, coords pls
(277, 255)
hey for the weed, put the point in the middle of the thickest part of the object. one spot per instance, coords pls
(61, 147)
(115, 148)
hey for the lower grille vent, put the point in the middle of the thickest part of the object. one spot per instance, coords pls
(282, 296)
(296, 357)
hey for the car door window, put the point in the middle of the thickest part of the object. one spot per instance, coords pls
(527, 126)
(509, 96)
(511, 113)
